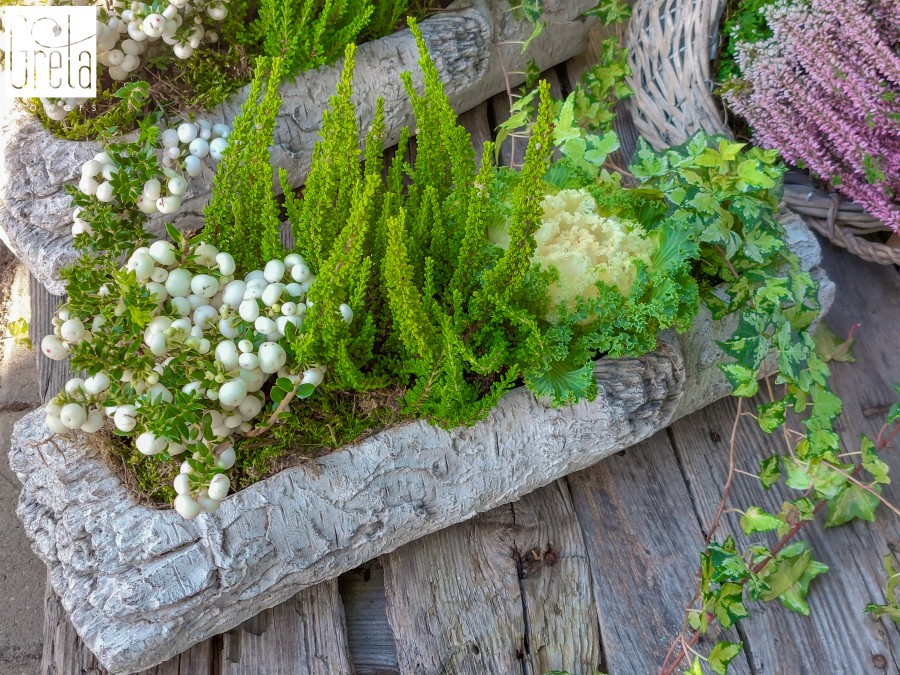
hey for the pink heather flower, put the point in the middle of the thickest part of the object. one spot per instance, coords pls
(825, 91)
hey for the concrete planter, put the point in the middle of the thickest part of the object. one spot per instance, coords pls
(470, 41)
(142, 585)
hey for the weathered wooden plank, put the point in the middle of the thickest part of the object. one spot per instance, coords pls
(479, 127)
(837, 631)
(306, 634)
(369, 637)
(454, 607)
(555, 582)
(508, 591)
(52, 375)
(642, 540)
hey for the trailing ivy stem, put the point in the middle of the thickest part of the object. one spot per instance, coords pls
(688, 643)
(732, 442)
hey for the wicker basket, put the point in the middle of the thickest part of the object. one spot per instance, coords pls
(672, 44)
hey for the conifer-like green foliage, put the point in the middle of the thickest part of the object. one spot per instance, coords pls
(306, 34)
(243, 216)
(445, 265)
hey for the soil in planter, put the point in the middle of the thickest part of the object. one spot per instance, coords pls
(328, 421)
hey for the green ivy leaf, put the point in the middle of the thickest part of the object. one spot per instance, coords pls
(729, 606)
(696, 668)
(742, 379)
(892, 612)
(873, 463)
(722, 655)
(789, 576)
(852, 502)
(830, 347)
(769, 471)
(756, 520)
(771, 415)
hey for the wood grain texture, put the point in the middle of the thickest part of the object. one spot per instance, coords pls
(369, 636)
(52, 375)
(306, 635)
(506, 592)
(837, 632)
(471, 42)
(642, 540)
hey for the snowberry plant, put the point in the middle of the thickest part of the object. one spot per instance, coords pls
(130, 34)
(128, 178)
(179, 351)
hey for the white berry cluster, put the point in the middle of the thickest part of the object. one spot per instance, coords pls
(124, 35)
(128, 32)
(225, 335)
(185, 148)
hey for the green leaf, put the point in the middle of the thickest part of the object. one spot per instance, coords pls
(305, 390)
(563, 382)
(873, 463)
(722, 655)
(756, 520)
(277, 395)
(771, 415)
(729, 606)
(890, 611)
(769, 471)
(696, 668)
(852, 502)
(18, 331)
(749, 175)
(284, 384)
(742, 379)
(830, 347)
(175, 234)
(789, 576)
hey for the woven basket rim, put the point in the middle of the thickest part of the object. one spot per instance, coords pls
(672, 44)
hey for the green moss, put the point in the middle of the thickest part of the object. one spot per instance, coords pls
(145, 476)
(315, 427)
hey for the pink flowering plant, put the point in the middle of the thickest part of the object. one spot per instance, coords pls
(824, 89)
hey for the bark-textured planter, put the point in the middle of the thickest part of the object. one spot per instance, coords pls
(142, 585)
(471, 42)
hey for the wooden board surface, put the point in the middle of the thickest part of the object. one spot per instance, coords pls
(371, 642)
(506, 592)
(306, 634)
(837, 631)
(643, 540)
